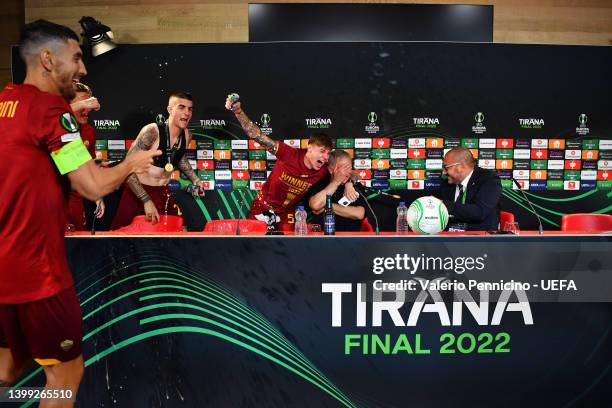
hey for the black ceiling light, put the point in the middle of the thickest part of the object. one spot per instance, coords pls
(97, 36)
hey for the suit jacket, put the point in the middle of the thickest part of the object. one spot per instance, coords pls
(481, 208)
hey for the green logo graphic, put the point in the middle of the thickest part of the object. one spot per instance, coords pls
(380, 153)
(237, 184)
(257, 155)
(505, 153)
(397, 184)
(539, 164)
(571, 175)
(69, 122)
(206, 174)
(416, 164)
(604, 184)
(469, 143)
(222, 144)
(101, 144)
(345, 143)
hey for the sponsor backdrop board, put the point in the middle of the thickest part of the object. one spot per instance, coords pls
(254, 322)
(537, 113)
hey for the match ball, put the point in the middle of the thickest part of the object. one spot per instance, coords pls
(427, 215)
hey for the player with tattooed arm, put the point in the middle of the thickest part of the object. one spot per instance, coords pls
(295, 171)
(148, 193)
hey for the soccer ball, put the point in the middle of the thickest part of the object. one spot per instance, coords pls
(427, 215)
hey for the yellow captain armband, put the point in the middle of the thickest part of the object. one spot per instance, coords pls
(71, 156)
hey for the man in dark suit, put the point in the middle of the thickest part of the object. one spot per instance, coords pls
(470, 193)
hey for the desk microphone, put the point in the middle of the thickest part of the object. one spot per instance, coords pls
(359, 188)
(174, 186)
(93, 223)
(239, 211)
(540, 227)
(370, 190)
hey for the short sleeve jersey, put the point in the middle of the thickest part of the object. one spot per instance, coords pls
(33, 262)
(290, 179)
(88, 134)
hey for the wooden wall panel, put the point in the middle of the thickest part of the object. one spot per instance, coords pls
(11, 21)
(170, 21)
(154, 21)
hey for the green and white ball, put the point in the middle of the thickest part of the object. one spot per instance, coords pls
(427, 215)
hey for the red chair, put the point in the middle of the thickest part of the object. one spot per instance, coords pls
(167, 223)
(229, 227)
(366, 226)
(586, 222)
(504, 217)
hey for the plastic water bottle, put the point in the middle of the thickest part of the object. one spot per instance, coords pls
(329, 220)
(301, 228)
(401, 224)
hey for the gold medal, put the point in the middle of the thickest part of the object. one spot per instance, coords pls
(169, 167)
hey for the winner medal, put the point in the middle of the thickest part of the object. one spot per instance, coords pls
(169, 167)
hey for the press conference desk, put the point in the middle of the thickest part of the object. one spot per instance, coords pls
(194, 319)
(339, 234)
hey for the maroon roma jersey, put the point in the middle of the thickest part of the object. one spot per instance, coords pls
(288, 182)
(33, 262)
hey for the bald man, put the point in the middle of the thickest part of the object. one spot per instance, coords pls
(470, 193)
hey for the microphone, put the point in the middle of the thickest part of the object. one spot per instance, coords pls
(239, 211)
(359, 188)
(174, 186)
(370, 190)
(93, 224)
(540, 227)
(93, 220)
(159, 119)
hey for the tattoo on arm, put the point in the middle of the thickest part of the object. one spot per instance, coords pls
(137, 188)
(147, 136)
(253, 132)
(185, 167)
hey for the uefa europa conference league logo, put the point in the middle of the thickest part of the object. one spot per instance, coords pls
(479, 127)
(372, 127)
(582, 129)
(265, 124)
(69, 122)
(402, 302)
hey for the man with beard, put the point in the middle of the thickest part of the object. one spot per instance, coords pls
(471, 194)
(41, 156)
